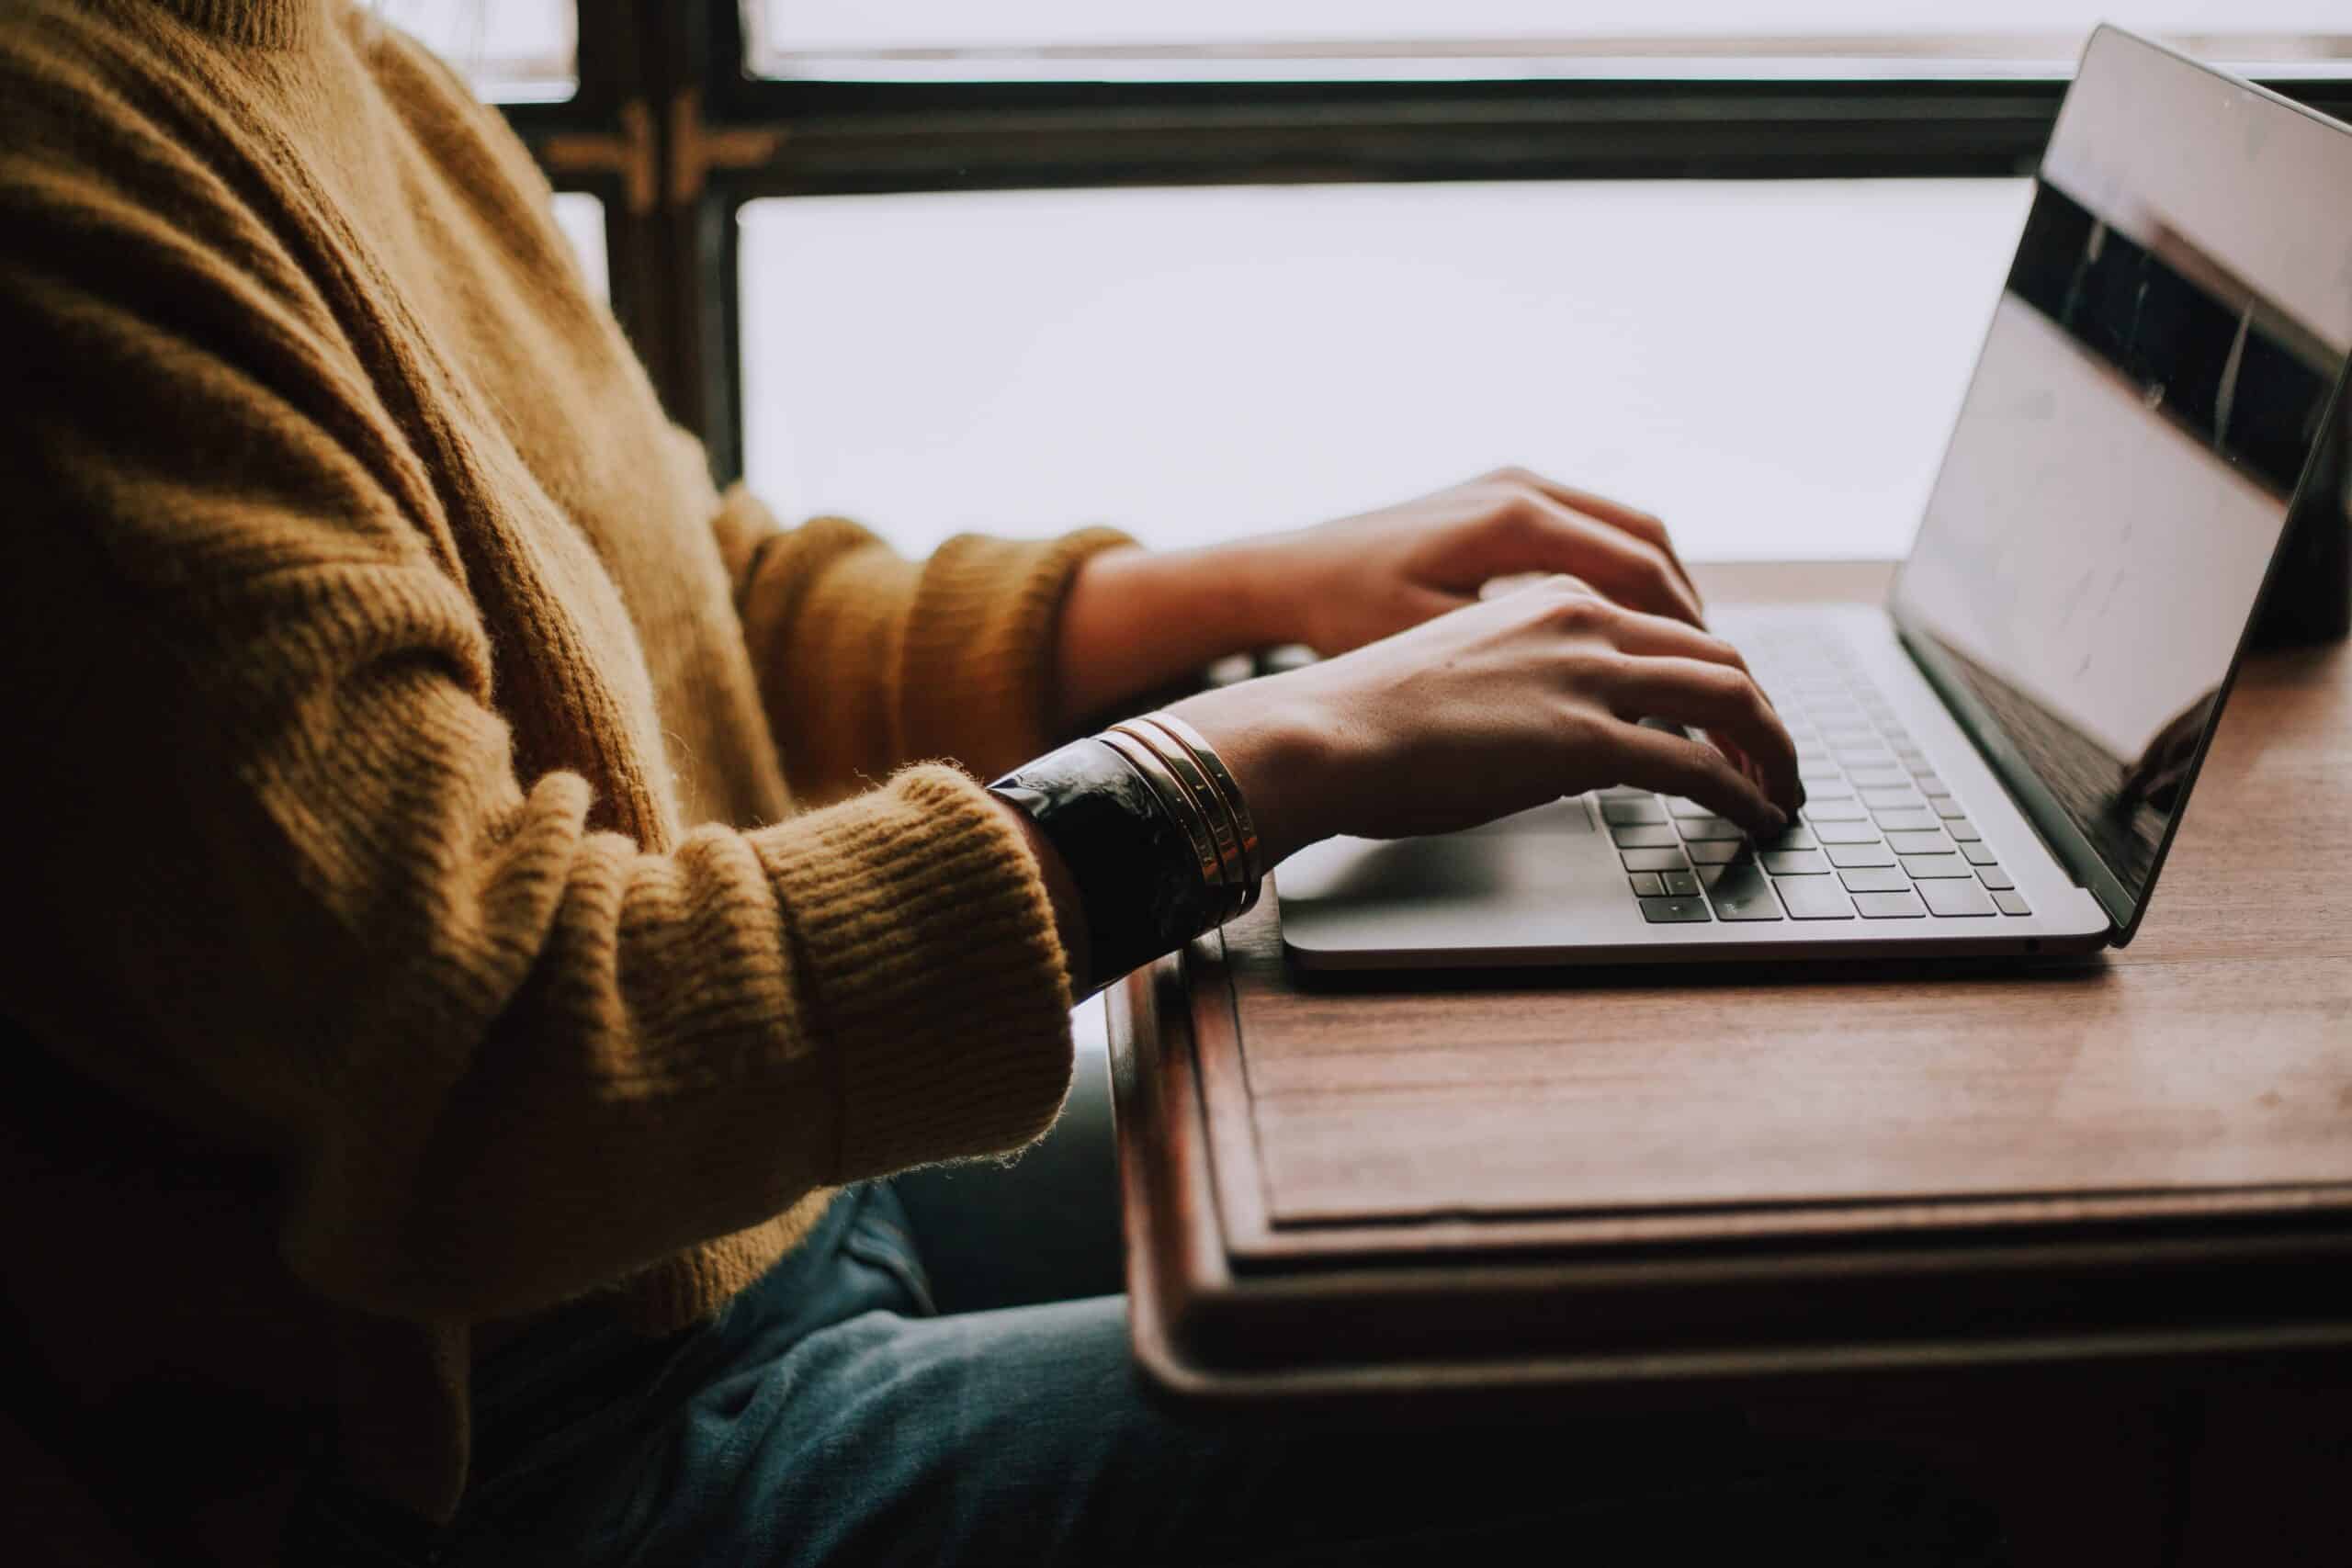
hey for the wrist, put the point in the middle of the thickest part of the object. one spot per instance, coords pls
(1257, 581)
(1135, 620)
(1282, 759)
(1234, 597)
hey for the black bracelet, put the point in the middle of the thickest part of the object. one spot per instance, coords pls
(1139, 879)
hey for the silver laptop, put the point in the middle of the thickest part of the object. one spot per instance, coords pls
(1995, 761)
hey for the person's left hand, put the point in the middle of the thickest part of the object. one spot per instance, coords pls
(1346, 583)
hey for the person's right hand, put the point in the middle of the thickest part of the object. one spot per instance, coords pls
(1501, 706)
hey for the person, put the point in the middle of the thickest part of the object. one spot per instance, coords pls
(500, 907)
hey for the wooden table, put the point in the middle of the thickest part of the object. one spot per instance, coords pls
(1755, 1185)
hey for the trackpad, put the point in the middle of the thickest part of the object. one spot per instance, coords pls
(1542, 849)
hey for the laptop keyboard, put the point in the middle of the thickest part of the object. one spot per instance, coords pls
(1881, 837)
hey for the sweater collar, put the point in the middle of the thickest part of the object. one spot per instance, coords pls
(264, 24)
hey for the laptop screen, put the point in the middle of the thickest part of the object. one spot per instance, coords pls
(2159, 369)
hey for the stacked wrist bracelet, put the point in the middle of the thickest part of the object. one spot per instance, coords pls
(1154, 830)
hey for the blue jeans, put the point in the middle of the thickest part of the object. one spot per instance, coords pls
(829, 1416)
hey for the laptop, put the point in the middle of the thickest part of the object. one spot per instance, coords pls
(1995, 761)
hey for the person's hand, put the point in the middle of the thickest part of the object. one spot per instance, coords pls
(1355, 581)
(1493, 708)
(1137, 619)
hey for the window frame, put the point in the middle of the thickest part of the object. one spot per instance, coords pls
(671, 85)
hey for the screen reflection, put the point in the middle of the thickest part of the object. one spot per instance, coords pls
(2156, 382)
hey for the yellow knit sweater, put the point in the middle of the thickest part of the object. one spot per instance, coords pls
(423, 931)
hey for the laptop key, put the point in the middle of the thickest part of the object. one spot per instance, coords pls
(1645, 836)
(1674, 911)
(1700, 829)
(1626, 812)
(2012, 903)
(1960, 828)
(1930, 783)
(1647, 885)
(1895, 799)
(1928, 843)
(1876, 879)
(1681, 807)
(1834, 810)
(1816, 899)
(1946, 807)
(1819, 773)
(1743, 893)
(1679, 884)
(1795, 863)
(1993, 876)
(1891, 906)
(1860, 854)
(1792, 838)
(1979, 852)
(1879, 778)
(1935, 867)
(1653, 860)
(1844, 832)
(1918, 821)
(1954, 899)
(1716, 851)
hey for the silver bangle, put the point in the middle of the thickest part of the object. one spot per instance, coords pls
(1206, 802)
(1245, 828)
(1175, 802)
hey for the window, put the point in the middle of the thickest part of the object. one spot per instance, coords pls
(582, 219)
(1772, 366)
(514, 52)
(1242, 263)
(1225, 39)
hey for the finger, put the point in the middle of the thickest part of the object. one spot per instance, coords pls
(1719, 699)
(1675, 764)
(1635, 632)
(1632, 572)
(1645, 526)
(1657, 636)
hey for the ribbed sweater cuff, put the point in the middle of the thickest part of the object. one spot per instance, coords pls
(977, 676)
(931, 968)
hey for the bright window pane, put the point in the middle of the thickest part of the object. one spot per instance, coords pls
(511, 51)
(1273, 38)
(1773, 365)
(582, 219)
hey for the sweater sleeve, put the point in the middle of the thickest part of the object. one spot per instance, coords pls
(950, 656)
(292, 871)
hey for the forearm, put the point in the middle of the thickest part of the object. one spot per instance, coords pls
(1135, 621)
